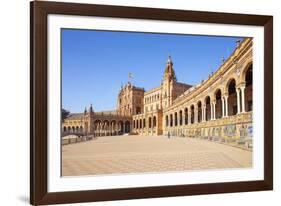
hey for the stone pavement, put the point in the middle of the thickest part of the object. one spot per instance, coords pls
(139, 154)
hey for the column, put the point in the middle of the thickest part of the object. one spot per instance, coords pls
(211, 105)
(226, 105)
(203, 113)
(196, 115)
(238, 100)
(222, 101)
(179, 118)
(243, 97)
(172, 120)
(214, 110)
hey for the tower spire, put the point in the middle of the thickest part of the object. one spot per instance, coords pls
(85, 111)
(169, 70)
(91, 108)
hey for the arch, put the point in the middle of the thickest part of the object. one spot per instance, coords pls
(144, 123)
(207, 102)
(248, 65)
(81, 129)
(64, 129)
(68, 129)
(249, 89)
(73, 129)
(176, 119)
(121, 127)
(186, 116)
(127, 127)
(96, 126)
(218, 106)
(137, 123)
(106, 122)
(113, 127)
(232, 97)
(199, 111)
(134, 124)
(229, 80)
(154, 121)
(171, 120)
(167, 120)
(149, 122)
(180, 117)
(105, 127)
(192, 108)
(140, 123)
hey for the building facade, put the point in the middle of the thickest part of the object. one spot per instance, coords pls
(106, 123)
(217, 108)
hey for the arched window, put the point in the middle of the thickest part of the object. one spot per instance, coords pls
(180, 116)
(199, 111)
(218, 104)
(154, 121)
(176, 119)
(186, 116)
(232, 98)
(208, 108)
(192, 114)
(249, 89)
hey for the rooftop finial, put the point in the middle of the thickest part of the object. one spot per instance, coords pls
(238, 41)
(222, 59)
(130, 78)
(91, 108)
(169, 59)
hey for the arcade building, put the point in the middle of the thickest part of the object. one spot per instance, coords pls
(218, 108)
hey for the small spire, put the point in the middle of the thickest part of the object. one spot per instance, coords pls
(91, 108)
(169, 60)
(222, 59)
(238, 41)
(169, 71)
(85, 111)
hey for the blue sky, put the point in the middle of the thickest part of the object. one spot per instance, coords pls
(96, 63)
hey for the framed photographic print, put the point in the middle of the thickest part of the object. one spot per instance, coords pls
(131, 102)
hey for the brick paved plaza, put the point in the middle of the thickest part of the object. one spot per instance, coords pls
(138, 154)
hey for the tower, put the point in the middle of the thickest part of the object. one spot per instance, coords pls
(168, 81)
(88, 120)
(169, 73)
(130, 100)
